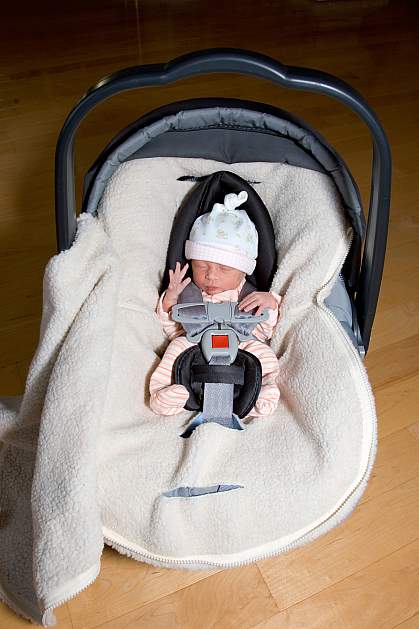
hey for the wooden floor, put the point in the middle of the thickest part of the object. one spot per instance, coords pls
(365, 573)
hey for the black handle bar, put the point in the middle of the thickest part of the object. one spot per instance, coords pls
(243, 62)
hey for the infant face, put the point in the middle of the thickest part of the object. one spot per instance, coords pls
(213, 278)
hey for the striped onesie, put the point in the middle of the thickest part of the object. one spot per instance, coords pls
(167, 398)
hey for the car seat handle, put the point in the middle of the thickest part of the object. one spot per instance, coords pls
(243, 62)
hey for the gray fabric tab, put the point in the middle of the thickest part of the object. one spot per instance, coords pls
(339, 302)
(218, 402)
(218, 397)
(189, 492)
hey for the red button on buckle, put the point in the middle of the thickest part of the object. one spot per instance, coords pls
(220, 340)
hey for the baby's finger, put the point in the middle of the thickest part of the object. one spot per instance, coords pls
(185, 268)
(243, 306)
(178, 274)
(248, 299)
(250, 304)
(186, 282)
(250, 295)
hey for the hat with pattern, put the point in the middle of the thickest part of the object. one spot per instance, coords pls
(225, 235)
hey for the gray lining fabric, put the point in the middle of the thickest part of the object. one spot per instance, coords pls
(338, 301)
(189, 492)
(261, 137)
(229, 146)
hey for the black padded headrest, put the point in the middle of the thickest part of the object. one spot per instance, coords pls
(201, 200)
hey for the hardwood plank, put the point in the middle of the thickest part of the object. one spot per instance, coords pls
(10, 381)
(397, 405)
(373, 527)
(399, 301)
(393, 362)
(397, 461)
(411, 623)
(230, 599)
(23, 368)
(125, 585)
(18, 340)
(384, 594)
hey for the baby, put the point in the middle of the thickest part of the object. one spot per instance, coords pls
(222, 247)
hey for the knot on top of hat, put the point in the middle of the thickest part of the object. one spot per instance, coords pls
(231, 201)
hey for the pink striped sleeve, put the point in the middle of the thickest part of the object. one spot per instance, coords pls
(264, 353)
(171, 328)
(162, 375)
(167, 398)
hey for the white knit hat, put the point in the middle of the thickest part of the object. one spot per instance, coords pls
(225, 235)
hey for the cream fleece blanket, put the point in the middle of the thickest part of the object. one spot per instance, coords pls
(83, 459)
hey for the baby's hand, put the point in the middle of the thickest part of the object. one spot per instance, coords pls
(263, 300)
(176, 286)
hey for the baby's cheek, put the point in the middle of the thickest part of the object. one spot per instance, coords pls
(198, 279)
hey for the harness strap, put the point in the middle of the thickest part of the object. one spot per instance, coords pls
(229, 374)
(190, 294)
(218, 398)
